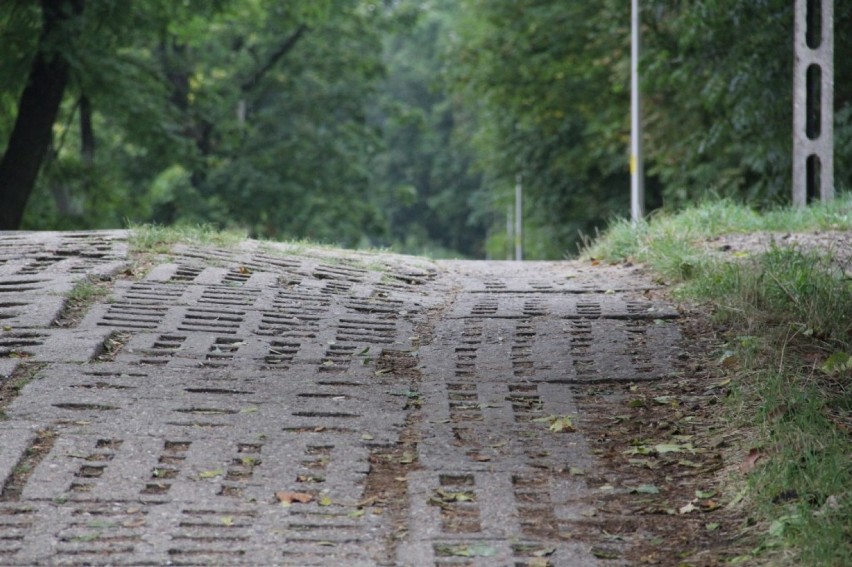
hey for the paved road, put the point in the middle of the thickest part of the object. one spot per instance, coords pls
(423, 411)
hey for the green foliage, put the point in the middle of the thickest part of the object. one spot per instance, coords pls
(425, 168)
(244, 113)
(406, 123)
(548, 82)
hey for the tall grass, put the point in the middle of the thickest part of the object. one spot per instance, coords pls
(788, 317)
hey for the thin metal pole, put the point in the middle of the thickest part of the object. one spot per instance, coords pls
(637, 168)
(519, 220)
(510, 232)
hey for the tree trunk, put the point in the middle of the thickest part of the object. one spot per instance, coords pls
(37, 110)
(87, 133)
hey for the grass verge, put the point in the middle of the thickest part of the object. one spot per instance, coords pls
(157, 239)
(786, 319)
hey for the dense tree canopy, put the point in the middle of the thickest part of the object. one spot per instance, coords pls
(401, 123)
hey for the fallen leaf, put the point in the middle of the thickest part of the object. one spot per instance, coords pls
(575, 471)
(287, 498)
(645, 489)
(836, 363)
(134, 523)
(665, 448)
(325, 500)
(212, 473)
(736, 499)
(644, 463)
(482, 550)
(227, 521)
(461, 496)
(561, 424)
(687, 509)
(366, 437)
(250, 409)
(367, 501)
(703, 494)
(750, 461)
(465, 550)
(712, 526)
(309, 478)
(638, 450)
(602, 553)
(557, 423)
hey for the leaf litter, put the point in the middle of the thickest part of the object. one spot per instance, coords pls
(662, 467)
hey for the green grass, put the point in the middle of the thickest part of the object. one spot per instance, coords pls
(88, 291)
(787, 321)
(157, 239)
(668, 242)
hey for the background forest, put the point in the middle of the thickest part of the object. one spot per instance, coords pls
(398, 123)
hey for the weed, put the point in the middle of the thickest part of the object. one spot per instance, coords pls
(82, 296)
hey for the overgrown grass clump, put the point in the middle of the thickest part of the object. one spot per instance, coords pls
(158, 239)
(669, 242)
(788, 319)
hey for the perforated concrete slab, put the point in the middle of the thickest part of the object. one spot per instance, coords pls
(423, 410)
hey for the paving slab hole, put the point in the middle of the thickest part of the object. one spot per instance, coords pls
(207, 411)
(84, 407)
(217, 391)
(33, 455)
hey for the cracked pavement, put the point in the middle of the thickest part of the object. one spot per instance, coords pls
(423, 410)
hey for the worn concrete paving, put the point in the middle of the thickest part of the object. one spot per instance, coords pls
(424, 409)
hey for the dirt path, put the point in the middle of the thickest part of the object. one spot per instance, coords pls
(275, 406)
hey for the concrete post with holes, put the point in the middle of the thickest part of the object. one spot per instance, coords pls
(813, 101)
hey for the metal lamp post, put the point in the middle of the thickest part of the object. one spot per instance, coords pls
(637, 169)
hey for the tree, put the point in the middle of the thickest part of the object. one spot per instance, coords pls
(425, 169)
(240, 112)
(37, 109)
(549, 83)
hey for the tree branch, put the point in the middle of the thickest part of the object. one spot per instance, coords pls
(273, 58)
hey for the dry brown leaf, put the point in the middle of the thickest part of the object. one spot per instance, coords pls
(750, 462)
(286, 497)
